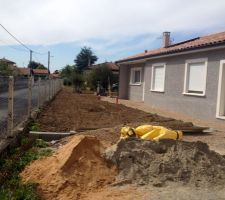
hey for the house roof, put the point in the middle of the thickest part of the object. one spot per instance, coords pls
(40, 71)
(195, 43)
(23, 71)
(55, 75)
(7, 61)
(110, 65)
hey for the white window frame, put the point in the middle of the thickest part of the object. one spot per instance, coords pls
(153, 77)
(218, 107)
(187, 63)
(132, 71)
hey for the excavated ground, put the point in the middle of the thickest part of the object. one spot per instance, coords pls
(131, 169)
(71, 111)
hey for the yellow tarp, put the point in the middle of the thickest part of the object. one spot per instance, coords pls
(149, 132)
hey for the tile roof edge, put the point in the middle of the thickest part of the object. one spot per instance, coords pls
(171, 52)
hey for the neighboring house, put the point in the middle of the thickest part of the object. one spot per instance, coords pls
(12, 65)
(113, 66)
(187, 77)
(8, 62)
(23, 72)
(43, 73)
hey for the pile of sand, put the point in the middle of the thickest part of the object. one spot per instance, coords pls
(78, 170)
(158, 163)
(75, 169)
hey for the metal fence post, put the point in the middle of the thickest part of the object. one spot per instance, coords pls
(39, 92)
(29, 95)
(10, 107)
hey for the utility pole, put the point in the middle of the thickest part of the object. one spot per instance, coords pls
(48, 62)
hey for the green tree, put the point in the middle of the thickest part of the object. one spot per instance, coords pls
(101, 74)
(5, 70)
(36, 65)
(72, 76)
(77, 80)
(67, 71)
(85, 58)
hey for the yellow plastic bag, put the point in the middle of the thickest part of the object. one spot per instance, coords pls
(149, 132)
(142, 130)
(127, 132)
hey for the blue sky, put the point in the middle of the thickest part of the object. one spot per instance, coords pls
(114, 29)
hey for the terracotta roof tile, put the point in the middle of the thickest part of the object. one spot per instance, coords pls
(40, 71)
(199, 42)
(23, 71)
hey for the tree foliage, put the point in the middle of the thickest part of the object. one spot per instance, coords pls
(5, 70)
(36, 65)
(77, 80)
(67, 71)
(85, 58)
(72, 76)
(101, 74)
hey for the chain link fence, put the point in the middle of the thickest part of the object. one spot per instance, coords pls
(20, 96)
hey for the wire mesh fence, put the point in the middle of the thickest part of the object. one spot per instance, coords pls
(20, 96)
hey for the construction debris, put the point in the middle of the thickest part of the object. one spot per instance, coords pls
(158, 163)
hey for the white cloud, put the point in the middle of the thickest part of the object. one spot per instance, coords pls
(57, 21)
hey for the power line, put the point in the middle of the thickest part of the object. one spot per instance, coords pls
(15, 38)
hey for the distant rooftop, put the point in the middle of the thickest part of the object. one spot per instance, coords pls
(7, 61)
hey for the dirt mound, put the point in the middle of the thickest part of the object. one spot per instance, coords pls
(77, 168)
(145, 162)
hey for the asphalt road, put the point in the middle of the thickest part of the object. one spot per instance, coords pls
(20, 105)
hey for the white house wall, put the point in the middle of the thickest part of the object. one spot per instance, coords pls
(203, 107)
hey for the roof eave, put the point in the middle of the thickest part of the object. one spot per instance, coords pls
(173, 53)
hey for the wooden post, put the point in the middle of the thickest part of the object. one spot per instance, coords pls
(39, 92)
(29, 96)
(10, 107)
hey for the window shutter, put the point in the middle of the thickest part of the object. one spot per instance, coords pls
(196, 80)
(159, 76)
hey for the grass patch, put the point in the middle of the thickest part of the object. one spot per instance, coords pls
(35, 126)
(11, 186)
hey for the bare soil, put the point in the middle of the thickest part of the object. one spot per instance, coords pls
(77, 169)
(71, 111)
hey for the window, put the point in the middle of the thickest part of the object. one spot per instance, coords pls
(195, 77)
(135, 78)
(158, 77)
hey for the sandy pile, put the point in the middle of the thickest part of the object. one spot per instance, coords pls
(145, 162)
(75, 169)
